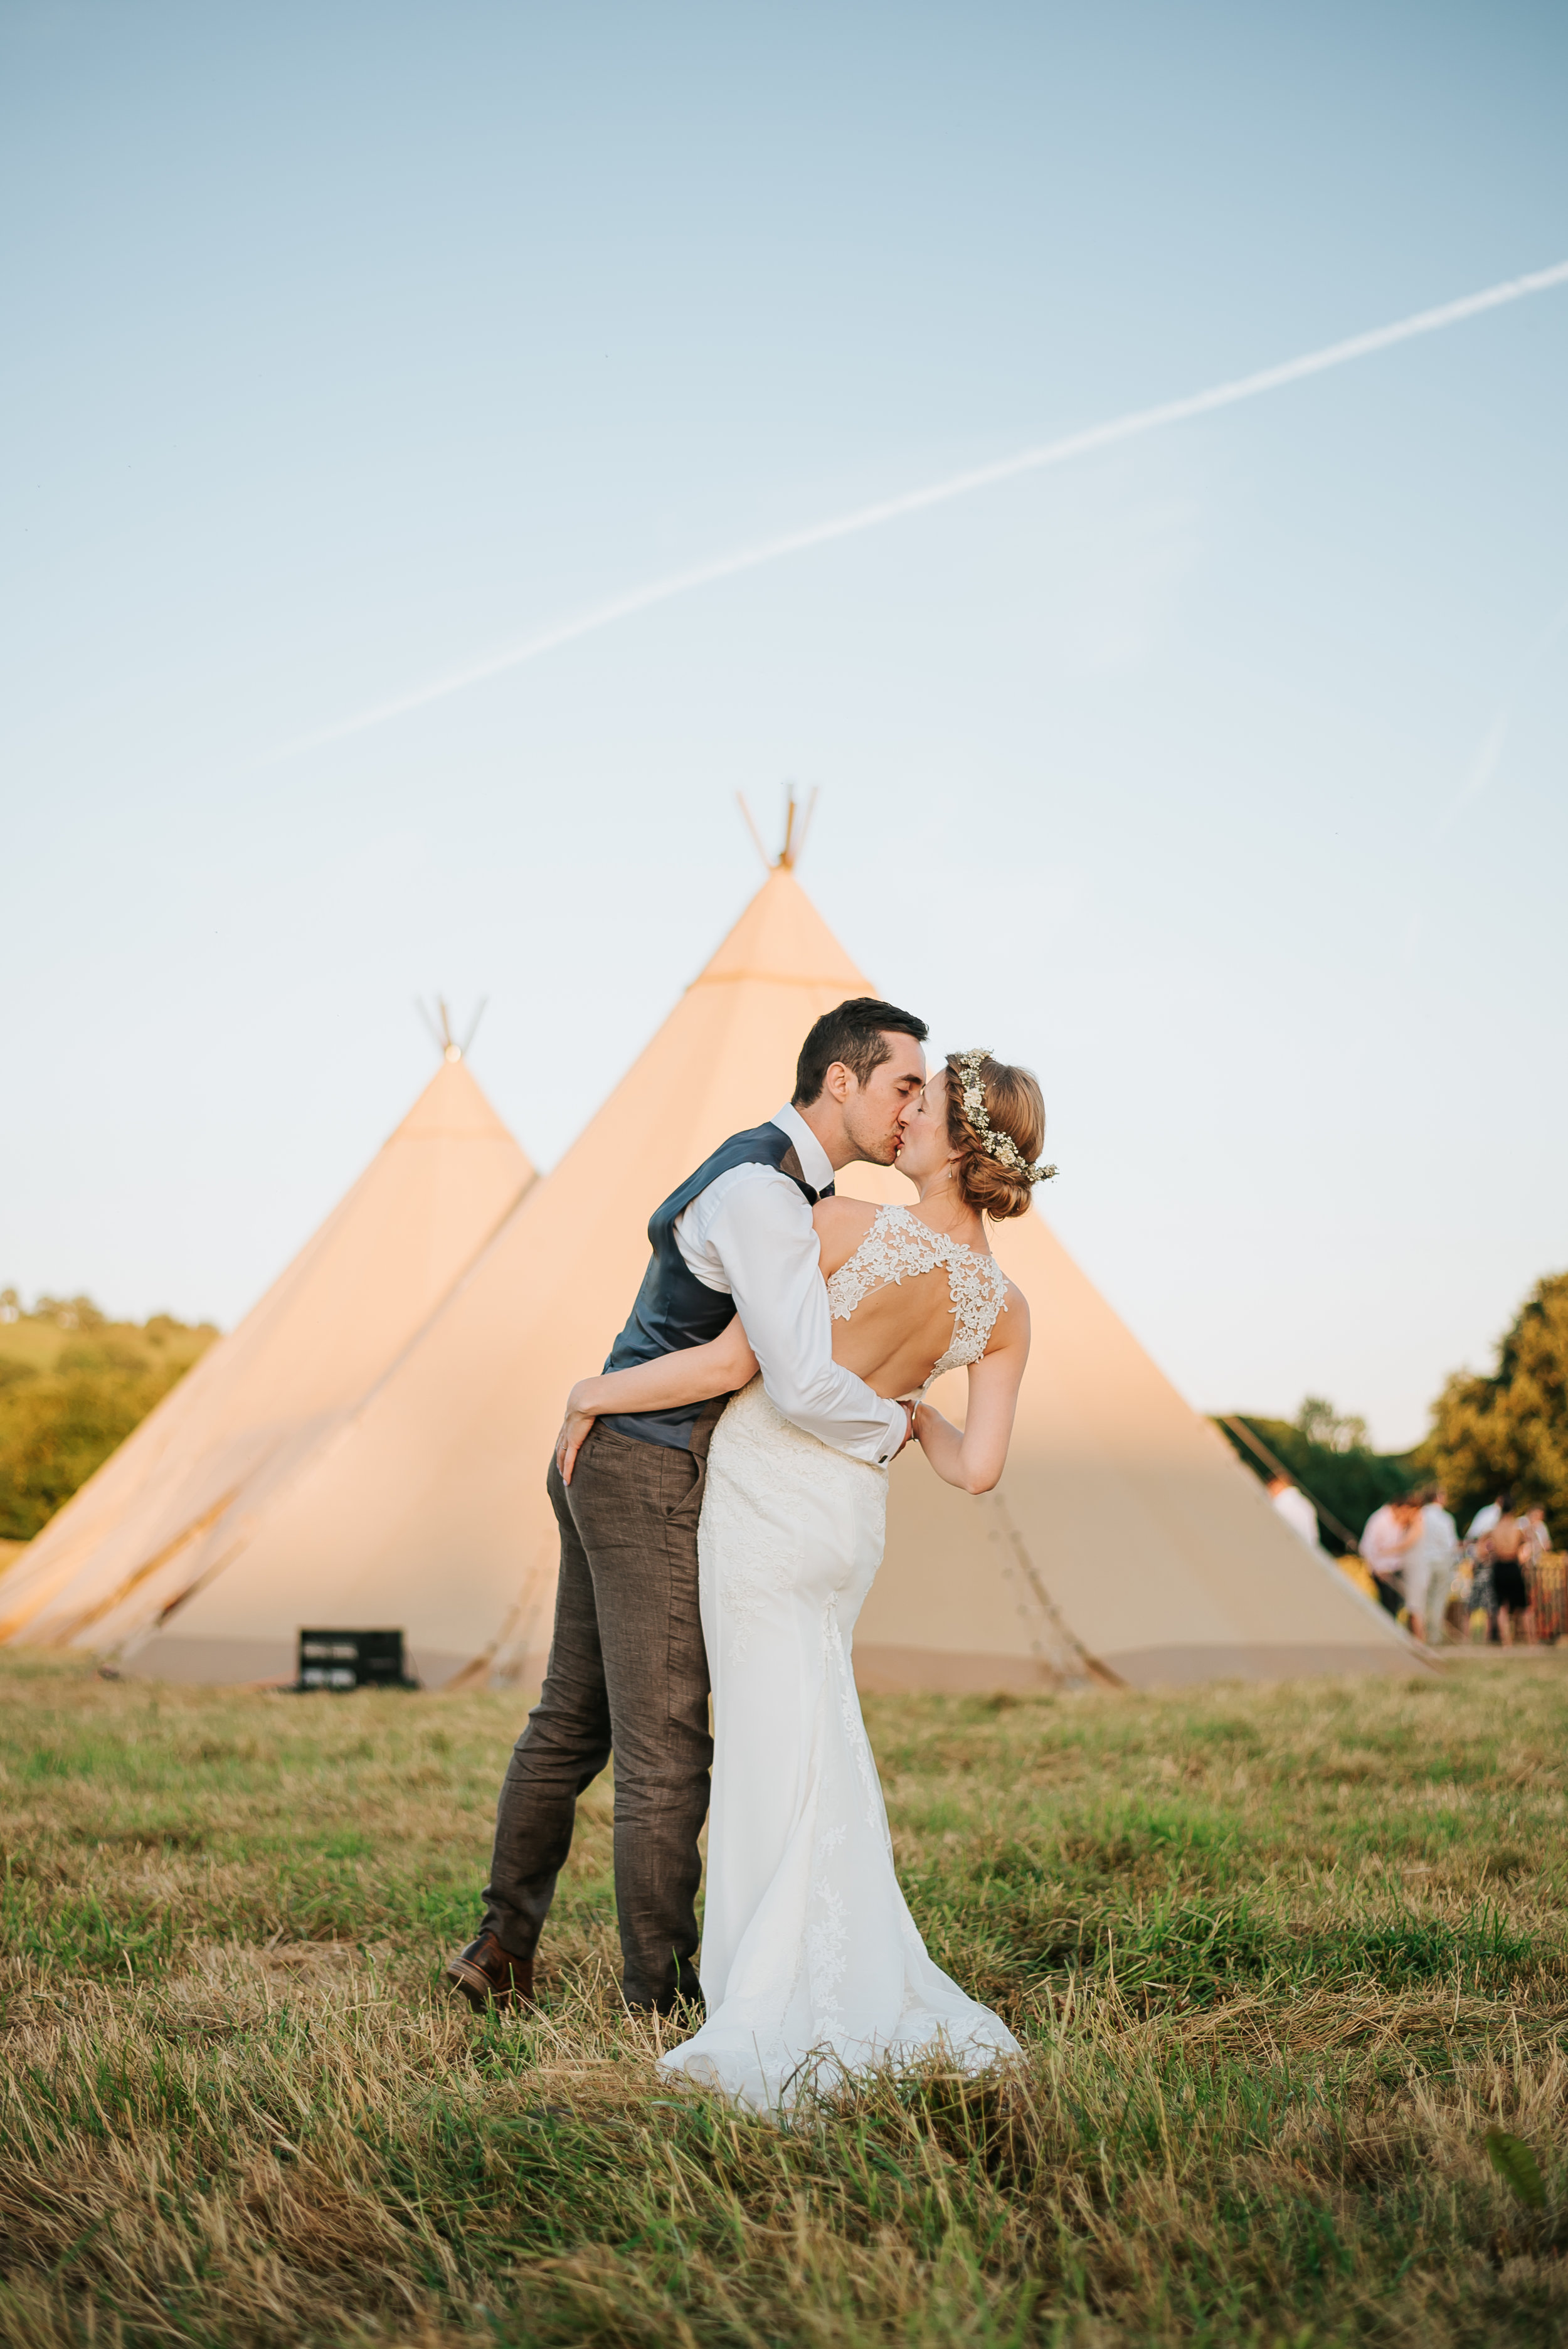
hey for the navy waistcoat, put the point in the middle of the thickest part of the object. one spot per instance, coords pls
(674, 1308)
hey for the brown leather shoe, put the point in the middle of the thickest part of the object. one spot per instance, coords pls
(487, 1975)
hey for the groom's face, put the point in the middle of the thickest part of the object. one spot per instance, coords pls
(874, 1112)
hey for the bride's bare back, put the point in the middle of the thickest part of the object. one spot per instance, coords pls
(900, 1328)
(911, 1294)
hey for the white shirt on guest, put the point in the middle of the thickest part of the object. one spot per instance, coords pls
(1483, 1520)
(750, 1236)
(1384, 1543)
(1438, 1543)
(1297, 1512)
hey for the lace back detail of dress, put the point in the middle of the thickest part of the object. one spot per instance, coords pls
(899, 1245)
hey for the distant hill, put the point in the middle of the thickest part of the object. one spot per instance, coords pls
(73, 1384)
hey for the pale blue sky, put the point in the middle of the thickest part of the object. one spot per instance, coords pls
(346, 343)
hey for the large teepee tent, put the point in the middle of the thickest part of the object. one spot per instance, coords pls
(1125, 1540)
(181, 1499)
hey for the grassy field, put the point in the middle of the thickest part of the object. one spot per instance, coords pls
(1281, 1959)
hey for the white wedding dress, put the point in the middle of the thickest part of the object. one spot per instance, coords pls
(811, 1963)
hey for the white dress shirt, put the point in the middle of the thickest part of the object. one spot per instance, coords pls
(1297, 1512)
(750, 1236)
(1439, 1542)
(1384, 1542)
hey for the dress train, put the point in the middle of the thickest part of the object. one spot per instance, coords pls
(812, 1965)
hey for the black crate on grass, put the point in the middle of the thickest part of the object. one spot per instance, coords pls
(351, 1660)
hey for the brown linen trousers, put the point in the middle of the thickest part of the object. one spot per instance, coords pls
(628, 1671)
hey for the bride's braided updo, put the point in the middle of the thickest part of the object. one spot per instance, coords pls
(1015, 1111)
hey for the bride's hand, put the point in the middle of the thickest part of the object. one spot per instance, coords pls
(576, 1429)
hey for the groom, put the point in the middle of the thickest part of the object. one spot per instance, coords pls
(628, 1671)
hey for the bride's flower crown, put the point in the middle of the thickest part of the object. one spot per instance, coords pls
(1001, 1146)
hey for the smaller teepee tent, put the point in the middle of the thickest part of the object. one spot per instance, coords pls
(182, 1494)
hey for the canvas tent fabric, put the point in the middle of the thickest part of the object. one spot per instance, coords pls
(1125, 1538)
(1125, 1542)
(180, 1498)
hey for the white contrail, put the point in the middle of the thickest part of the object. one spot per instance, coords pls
(958, 485)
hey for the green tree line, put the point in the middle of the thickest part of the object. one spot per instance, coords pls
(1505, 1431)
(1509, 1431)
(73, 1384)
(1333, 1462)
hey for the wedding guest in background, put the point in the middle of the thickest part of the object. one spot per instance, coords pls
(1544, 1577)
(1295, 1508)
(1430, 1568)
(1481, 1524)
(1477, 1559)
(1391, 1534)
(1505, 1546)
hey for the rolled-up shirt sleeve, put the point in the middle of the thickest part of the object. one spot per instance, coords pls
(763, 1235)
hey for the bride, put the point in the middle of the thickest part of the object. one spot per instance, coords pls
(811, 1962)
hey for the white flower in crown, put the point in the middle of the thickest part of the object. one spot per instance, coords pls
(1001, 1146)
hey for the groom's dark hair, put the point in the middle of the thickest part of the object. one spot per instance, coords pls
(855, 1033)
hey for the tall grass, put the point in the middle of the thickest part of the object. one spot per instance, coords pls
(1279, 1959)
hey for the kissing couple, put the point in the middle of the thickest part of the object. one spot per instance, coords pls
(721, 1490)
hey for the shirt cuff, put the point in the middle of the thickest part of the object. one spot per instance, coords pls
(898, 1428)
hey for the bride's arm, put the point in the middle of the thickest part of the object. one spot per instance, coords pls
(975, 1460)
(688, 1374)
